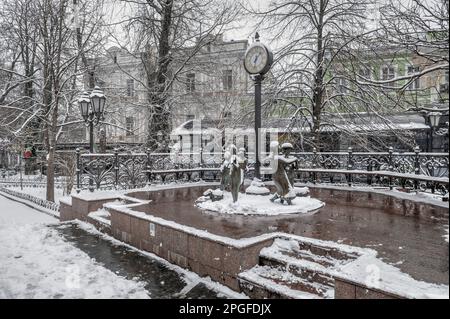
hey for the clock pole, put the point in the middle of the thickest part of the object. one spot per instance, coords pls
(257, 71)
(258, 79)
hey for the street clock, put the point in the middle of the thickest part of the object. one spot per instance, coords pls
(258, 58)
(257, 62)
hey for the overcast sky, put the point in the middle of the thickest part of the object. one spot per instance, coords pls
(243, 29)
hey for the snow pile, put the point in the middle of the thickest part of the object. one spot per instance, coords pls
(257, 187)
(217, 192)
(209, 194)
(301, 191)
(260, 205)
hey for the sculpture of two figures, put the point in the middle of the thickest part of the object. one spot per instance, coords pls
(284, 166)
(232, 170)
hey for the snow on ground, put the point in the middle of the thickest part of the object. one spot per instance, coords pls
(14, 213)
(248, 204)
(36, 262)
(39, 192)
(191, 278)
(375, 273)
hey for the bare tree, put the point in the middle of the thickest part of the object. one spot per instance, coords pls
(329, 64)
(312, 30)
(166, 35)
(420, 28)
(50, 47)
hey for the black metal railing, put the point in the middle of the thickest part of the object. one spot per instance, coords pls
(417, 170)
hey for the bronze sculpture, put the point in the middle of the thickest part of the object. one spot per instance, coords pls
(232, 170)
(225, 171)
(281, 165)
(292, 162)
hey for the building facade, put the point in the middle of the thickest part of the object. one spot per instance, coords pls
(213, 85)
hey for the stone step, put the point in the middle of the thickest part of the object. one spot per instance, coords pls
(275, 282)
(310, 272)
(293, 268)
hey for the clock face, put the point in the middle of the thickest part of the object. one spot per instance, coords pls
(256, 59)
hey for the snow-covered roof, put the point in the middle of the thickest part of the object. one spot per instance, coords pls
(361, 122)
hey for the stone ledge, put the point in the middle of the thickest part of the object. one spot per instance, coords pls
(347, 289)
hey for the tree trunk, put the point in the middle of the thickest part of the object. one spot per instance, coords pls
(318, 80)
(159, 121)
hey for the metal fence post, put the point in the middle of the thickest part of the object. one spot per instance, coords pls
(350, 166)
(148, 167)
(78, 170)
(314, 165)
(201, 164)
(416, 166)
(116, 168)
(391, 166)
(369, 169)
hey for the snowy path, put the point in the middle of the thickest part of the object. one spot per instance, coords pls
(36, 262)
(12, 212)
(42, 258)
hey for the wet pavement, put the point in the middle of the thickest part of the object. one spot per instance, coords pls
(407, 234)
(160, 281)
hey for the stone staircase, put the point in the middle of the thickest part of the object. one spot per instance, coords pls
(291, 268)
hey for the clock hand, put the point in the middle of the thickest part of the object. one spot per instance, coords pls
(256, 59)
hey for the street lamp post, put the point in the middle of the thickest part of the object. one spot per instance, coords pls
(92, 107)
(434, 117)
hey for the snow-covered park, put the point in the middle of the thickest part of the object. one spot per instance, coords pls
(224, 149)
(37, 261)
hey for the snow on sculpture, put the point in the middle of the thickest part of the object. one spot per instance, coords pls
(257, 199)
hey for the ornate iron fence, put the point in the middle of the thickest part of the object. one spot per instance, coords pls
(36, 200)
(426, 171)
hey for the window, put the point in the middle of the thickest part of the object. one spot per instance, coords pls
(190, 117)
(190, 82)
(388, 73)
(129, 125)
(130, 87)
(115, 58)
(228, 80)
(415, 84)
